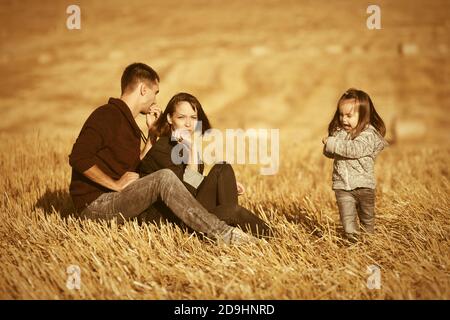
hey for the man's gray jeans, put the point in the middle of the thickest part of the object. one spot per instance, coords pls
(358, 202)
(142, 193)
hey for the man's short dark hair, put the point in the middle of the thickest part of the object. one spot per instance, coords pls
(136, 72)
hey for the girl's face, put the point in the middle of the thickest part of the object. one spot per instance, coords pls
(184, 118)
(348, 115)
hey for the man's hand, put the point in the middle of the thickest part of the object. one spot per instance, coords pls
(150, 119)
(240, 188)
(127, 178)
(153, 115)
(324, 140)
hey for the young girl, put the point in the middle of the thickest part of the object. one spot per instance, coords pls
(356, 136)
(218, 191)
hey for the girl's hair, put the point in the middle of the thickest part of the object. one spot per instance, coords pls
(162, 126)
(367, 113)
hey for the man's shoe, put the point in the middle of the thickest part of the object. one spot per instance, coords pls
(352, 237)
(237, 236)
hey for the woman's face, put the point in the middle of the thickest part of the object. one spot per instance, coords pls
(348, 115)
(184, 118)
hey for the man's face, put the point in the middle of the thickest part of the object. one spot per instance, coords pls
(148, 94)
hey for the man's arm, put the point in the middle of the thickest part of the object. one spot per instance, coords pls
(95, 174)
(150, 119)
(147, 147)
(84, 151)
(85, 148)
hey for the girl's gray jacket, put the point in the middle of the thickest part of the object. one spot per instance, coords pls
(354, 160)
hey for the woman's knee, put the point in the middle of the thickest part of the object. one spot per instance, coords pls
(221, 168)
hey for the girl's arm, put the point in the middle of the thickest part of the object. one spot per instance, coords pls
(361, 146)
(324, 141)
(327, 154)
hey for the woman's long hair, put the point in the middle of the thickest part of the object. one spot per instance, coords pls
(367, 113)
(162, 126)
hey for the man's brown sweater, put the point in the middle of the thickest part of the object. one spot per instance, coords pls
(110, 139)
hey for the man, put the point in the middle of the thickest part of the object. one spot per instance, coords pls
(106, 155)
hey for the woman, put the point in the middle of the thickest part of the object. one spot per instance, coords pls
(218, 191)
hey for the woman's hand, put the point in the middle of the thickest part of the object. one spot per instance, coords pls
(240, 188)
(183, 136)
(153, 115)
